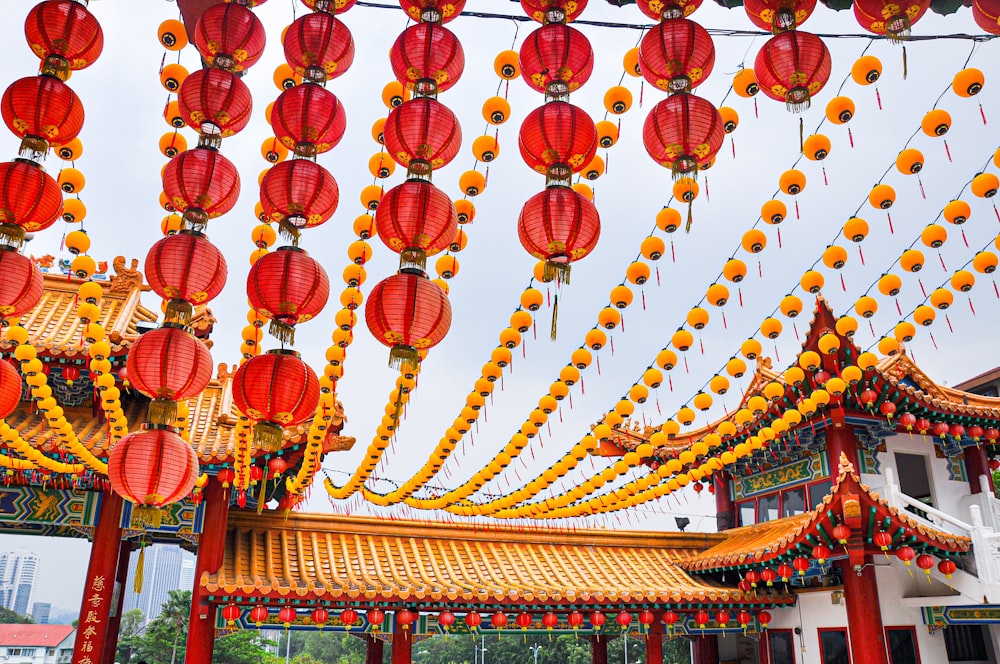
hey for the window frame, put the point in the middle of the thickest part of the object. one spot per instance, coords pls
(754, 501)
(770, 646)
(847, 639)
(902, 628)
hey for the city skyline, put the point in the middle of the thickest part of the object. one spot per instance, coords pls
(18, 568)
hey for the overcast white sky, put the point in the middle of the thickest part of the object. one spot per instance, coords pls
(123, 98)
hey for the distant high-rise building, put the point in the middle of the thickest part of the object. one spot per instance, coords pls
(163, 570)
(40, 612)
(17, 579)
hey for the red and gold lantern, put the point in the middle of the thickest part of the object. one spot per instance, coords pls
(201, 184)
(558, 139)
(318, 47)
(308, 119)
(559, 226)
(168, 364)
(676, 55)
(792, 67)
(427, 58)
(275, 390)
(556, 59)
(229, 37)
(214, 102)
(152, 468)
(416, 219)
(186, 269)
(894, 20)
(63, 30)
(422, 134)
(287, 286)
(30, 200)
(42, 111)
(298, 194)
(409, 314)
(683, 131)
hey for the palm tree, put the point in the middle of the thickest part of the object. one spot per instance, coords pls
(174, 615)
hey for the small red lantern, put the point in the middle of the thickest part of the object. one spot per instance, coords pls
(474, 620)
(882, 540)
(407, 313)
(821, 552)
(152, 467)
(785, 571)
(229, 36)
(22, 285)
(42, 111)
(940, 429)
(11, 388)
(925, 561)
(752, 577)
(523, 620)
(318, 47)
(702, 618)
(375, 618)
(550, 620)
(991, 434)
(64, 29)
(888, 409)
(646, 617)
(446, 619)
(215, 103)
(320, 617)
(416, 219)
(406, 618)
(768, 576)
(287, 615)
(556, 59)
(186, 269)
(779, 15)
(276, 389)
(427, 58)
(624, 618)
(226, 477)
(498, 620)
(276, 467)
(994, 464)
(676, 55)
(670, 617)
(308, 119)
(201, 184)
(559, 226)
(801, 565)
(923, 425)
(881, 17)
(299, 193)
(422, 134)
(764, 618)
(259, 615)
(868, 398)
(744, 585)
(841, 533)
(289, 287)
(256, 474)
(682, 131)
(30, 199)
(231, 613)
(722, 618)
(597, 619)
(793, 67)
(906, 554)
(947, 567)
(574, 619)
(907, 420)
(975, 432)
(168, 364)
(956, 431)
(744, 618)
(558, 139)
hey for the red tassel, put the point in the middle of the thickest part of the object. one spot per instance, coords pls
(725, 325)
(871, 327)
(843, 286)
(948, 320)
(598, 365)
(643, 293)
(972, 308)
(686, 369)
(795, 329)
(673, 254)
(658, 275)
(878, 98)
(797, 209)
(996, 290)
(642, 89)
(583, 388)
(996, 211)
(933, 341)
(941, 258)
(708, 195)
(756, 112)
(964, 239)
(779, 238)
(612, 344)
(733, 144)
(892, 231)
(982, 113)
(701, 345)
(760, 270)
(923, 291)
(670, 381)
(898, 309)
(740, 292)
(850, 136)
(946, 150)
(826, 183)
(921, 183)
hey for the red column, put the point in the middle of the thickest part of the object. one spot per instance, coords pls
(764, 649)
(864, 616)
(211, 546)
(402, 645)
(92, 631)
(598, 649)
(654, 642)
(976, 464)
(725, 508)
(706, 649)
(373, 650)
(115, 621)
(840, 439)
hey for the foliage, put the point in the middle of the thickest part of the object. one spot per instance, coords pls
(128, 634)
(244, 647)
(165, 636)
(8, 617)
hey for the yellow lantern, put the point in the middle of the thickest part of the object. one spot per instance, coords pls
(682, 339)
(730, 119)
(702, 401)
(751, 348)
(745, 83)
(851, 374)
(507, 65)
(829, 344)
(607, 133)
(792, 182)
(968, 82)
(734, 270)
(485, 148)
(912, 260)
(595, 339)
(934, 236)
(794, 375)
(472, 183)
(621, 296)
(846, 326)
(581, 358)
(719, 384)
(904, 331)
(840, 110)
(985, 185)
(637, 272)
(770, 328)
(652, 248)
(882, 196)
(685, 416)
(910, 161)
(496, 110)
(666, 359)
(985, 262)
(866, 306)
(810, 360)
(889, 284)
(773, 390)
(754, 241)
(77, 242)
(866, 70)
(835, 257)
(855, 229)
(697, 318)
(816, 147)
(717, 295)
(617, 100)
(773, 211)
(668, 220)
(941, 298)
(609, 318)
(963, 281)
(866, 362)
(736, 367)
(836, 386)
(790, 306)
(652, 377)
(888, 346)
(812, 281)
(74, 211)
(757, 405)
(638, 393)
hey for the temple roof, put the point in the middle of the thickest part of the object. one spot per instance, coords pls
(849, 501)
(309, 557)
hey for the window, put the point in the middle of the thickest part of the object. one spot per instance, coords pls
(902, 642)
(767, 508)
(793, 502)
(833, 646)
(818, 491)
(914, 477)
(748, 513)
(782, 645)
(965, 643)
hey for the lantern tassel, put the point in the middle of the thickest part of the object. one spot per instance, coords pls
(146, 516)
(282, 331)
(554, 270)
(947, 150)
(982, 113)
(140, 565)
(11, 234)
(162, 411)
(687, 226)
(878, 98)
(268, 436)
(178, 311)
(288, 231)
(797, 209)
(892, 231)
(802, 130)
(555, 317)
(850, 137)
(904, 62)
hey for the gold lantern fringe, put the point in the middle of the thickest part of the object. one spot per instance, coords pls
(282, 331)
(12, 235)
(554, 270)
(162, 411)
(140, 567)
(178, 311)
(268, 436)
(555, 317)
(897, 30)
(146, 516)
(413, 258)
(405, 359)
(289, 231)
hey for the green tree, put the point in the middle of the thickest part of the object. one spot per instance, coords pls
(166, 635)
(245, 646)
(8, 617)
(128, 634)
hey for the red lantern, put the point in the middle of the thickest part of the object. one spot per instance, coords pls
(940, 429)
(289, 287)
(701, 618)
(406, 618)
(214, 102)
(744, 618)
(947, 567)
(276, 389)
(906, 554)
(986, 13)
(666, 9)
(256, 474)
(226, 477)
(597, 619)
(975, 432)
(474, 620)
(888, 409)
(956, 431)
(882, 540)
(880, 17)
(320, 616)
(287, 615)
(407, 313)
(676, 55)
(925, 561)
(43, 111)
(523, 620)
(646, 618)
(768, 575)
(868, 398)
(498, 620)
(416, 219)
(168, 364)
(329, 6)
(764, 618)
(318, 47)
(670, 617)
(229, 36)
(908, 420)
(434, 11)
(923, 425)
(308, 119)
(11, 388)
(277, 466)
(841, 533)
(557, 139)
(65, 29)
(559, 226)
(991, 434)
(552, 11)
(30, 199)
(231, 613)
(624, 618)
(801, 565)
(682, 131)
(574, 619)
(722, 618)
(259, 615)
(422, 134)
(550, 620)
(778, 15)
(793, 67)
(785, 571)
(556, 59)
(821, 552)
(299, 193)
(22, 285)
(427, 58)
(201, 184)
(152, 467)
(375, 618)
(994, 464)
(446, 619)
(744, 585)
(185, 268)
(752, 577)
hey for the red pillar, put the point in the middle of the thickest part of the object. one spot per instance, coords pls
(211, 546)
(976, 464)
(864, 616)
(706, 649)
(654, 642)
(402, 645)
(115, 621)
(764, 649)
(725, 508)
(598, 649)
(840, 439)
(95, 610)
(373, 649)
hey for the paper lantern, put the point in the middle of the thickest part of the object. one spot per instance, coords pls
(67, 30)
(288, 286)
(214, 102)
(778, 15)
(168, 364)
(886, 18)
(793, 67)
(422, 134)
(11, 388)
(186, 269)
(558, 139)
(409, 314)
(318, 47)
(30, 200)
(560, 227)
(152, 467)
(229, 36)
(427, 58)
(434, 11)
(42, 111)
(682, 131)
(416, 219)
(556, 59)
(308, 119)
(676, 55)
(201, 184)
(298, 194)
(276, 389)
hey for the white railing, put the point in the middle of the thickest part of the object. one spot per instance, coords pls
(935, 517)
